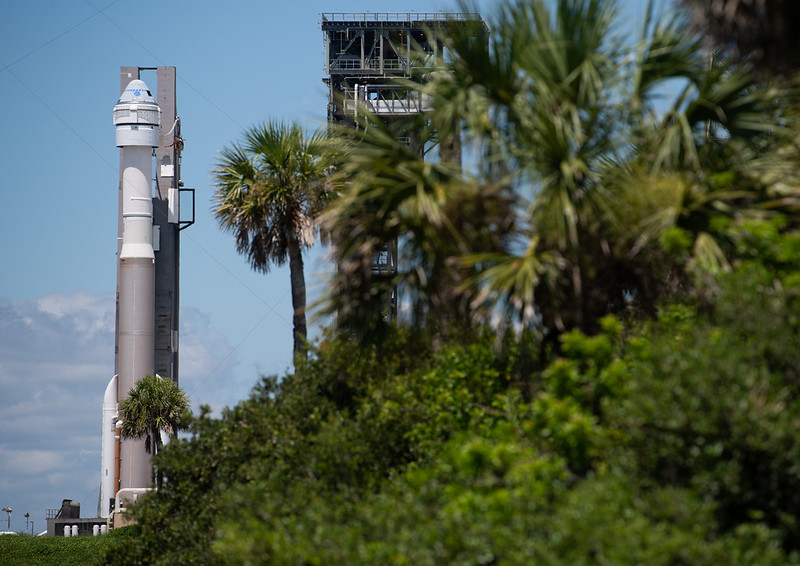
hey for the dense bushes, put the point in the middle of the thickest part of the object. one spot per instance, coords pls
(665, 441)
(45, 551)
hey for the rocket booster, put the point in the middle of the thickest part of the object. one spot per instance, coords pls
(109, 477)
(137, 118)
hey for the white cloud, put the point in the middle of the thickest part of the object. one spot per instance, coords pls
(207, 363)
(88, 313)
(56, 358)
(28, 461)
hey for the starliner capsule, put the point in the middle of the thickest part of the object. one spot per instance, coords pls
(137, 119)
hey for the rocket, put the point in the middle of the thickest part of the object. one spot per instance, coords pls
(148, 269)
(137, 119)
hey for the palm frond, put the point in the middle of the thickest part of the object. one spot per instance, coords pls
(154, 404)
(509, 282)
(269, 188)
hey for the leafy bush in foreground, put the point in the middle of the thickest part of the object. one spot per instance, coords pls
(657, 442)
(47, 551)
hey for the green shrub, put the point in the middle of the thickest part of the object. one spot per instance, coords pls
(47, 551)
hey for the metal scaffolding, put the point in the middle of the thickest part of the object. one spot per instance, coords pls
(368, 58)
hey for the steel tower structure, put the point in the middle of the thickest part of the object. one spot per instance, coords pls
(369, 56)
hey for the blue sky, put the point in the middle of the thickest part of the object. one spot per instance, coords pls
(238, 63)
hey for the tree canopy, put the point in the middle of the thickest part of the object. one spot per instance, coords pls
(153, 405)
(588, 151)
(651, 442)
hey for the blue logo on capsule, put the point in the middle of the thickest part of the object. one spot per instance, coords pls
(137, 91)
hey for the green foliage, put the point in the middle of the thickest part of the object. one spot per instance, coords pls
(712, 403)
(549, 481)
(427, 515)
(606, 173)
(153, 405)
(389, 194)
(609, 520)
(46, 551)
(662, 441)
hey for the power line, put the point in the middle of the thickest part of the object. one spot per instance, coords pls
(242, 283)
(63, 33)
(58, 116)
(7, 67)
(158, 60)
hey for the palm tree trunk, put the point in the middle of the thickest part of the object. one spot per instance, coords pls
(298, 299)
(155, 437)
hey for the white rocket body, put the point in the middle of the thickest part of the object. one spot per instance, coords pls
(108, 450)
(137, 118)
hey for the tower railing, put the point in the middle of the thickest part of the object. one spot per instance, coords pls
(354, 64)
(386, 99)
(399, 16)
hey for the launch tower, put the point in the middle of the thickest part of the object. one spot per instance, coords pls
(369, 55)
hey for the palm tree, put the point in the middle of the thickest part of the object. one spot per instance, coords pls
(580, 124)
(269, 189)
(153, 405)
(536, 104)
(390, 193)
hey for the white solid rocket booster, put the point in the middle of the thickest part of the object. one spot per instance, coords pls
(137, 118)
(108, 453)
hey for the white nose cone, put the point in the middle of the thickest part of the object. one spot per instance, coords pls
(137, 116)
